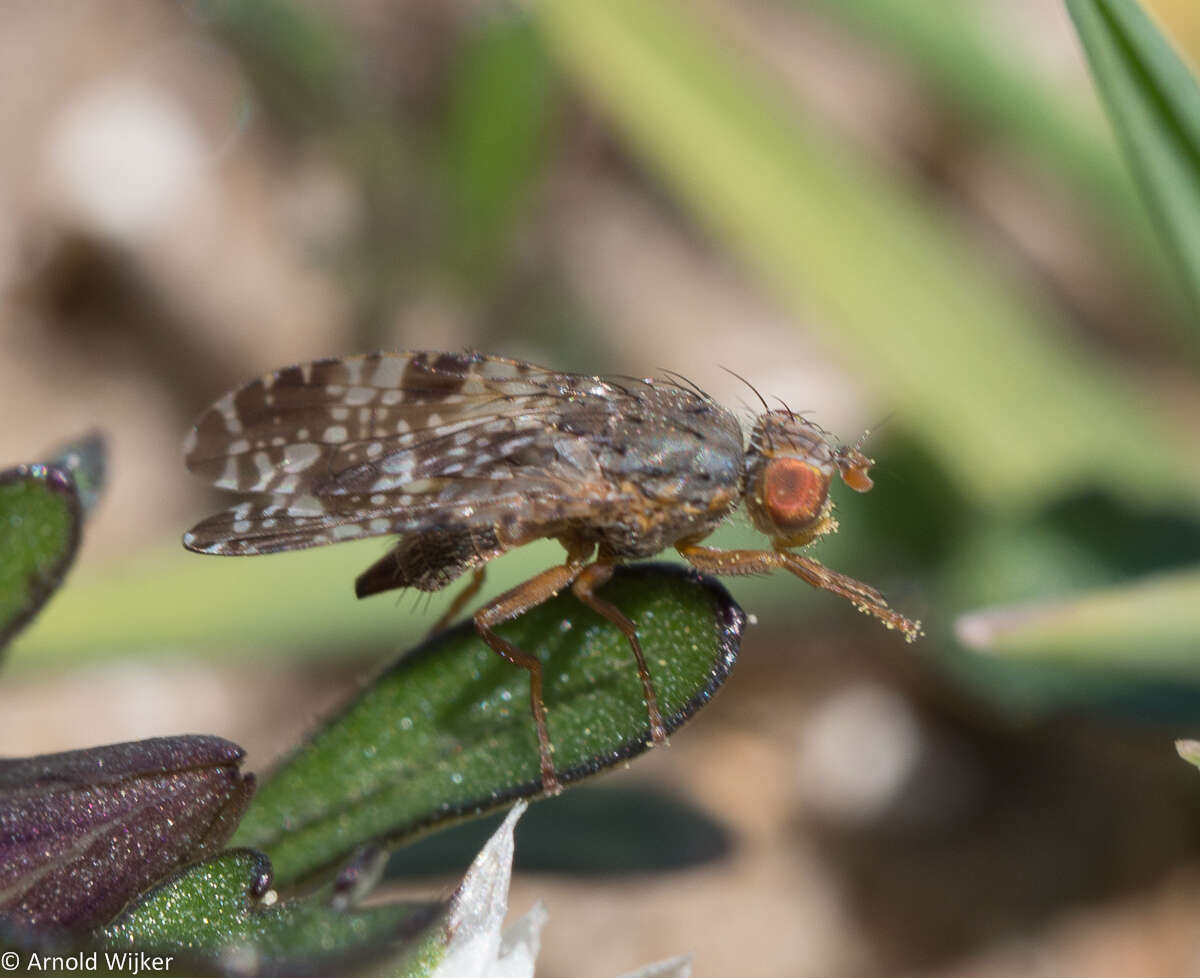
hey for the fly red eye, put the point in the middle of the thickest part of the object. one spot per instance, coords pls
(793, 492)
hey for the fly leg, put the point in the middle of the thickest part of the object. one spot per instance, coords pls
(584, 587)
(460, 600)
(864, 597)
(511, 604)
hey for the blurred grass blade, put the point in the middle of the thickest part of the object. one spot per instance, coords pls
(42, 506)
(447, 732)
(974, 365)
(299, 57)
(1149, 627)
(1154, 103)
(987, 83)
(497, 118)
(1189, 750)
(606, 830)
(82, 832)
(297, 604)
(215, 913)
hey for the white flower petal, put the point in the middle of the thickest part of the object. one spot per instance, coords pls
(520, 945)
(478, 909)
(478, 950)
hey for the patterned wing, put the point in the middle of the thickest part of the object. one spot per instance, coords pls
(395, 443)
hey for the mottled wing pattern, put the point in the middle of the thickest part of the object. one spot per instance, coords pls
(393, 443)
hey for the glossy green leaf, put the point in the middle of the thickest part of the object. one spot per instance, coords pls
(447, 731)
(223, 910)
(975, 365)
(1154, 102)
(42, 506)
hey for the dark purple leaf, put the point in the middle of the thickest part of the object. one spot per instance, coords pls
(83, 832)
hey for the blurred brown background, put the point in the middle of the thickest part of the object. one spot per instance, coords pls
(874, 212)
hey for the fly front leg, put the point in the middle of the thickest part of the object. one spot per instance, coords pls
(709, 560)
(584, 587)
(864, 597)
(511, 604)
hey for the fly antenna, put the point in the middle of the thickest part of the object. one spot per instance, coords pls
(868, 432)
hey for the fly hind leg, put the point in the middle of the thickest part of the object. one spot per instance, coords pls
(511, 604)
(585, 584)
(461, 600)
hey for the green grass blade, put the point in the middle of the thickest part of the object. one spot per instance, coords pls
(977, 367)
(447, 732)
(988, 84)
(1189, 750)
(498, 117)
(1154, 103)
(1149, 627)
(300, 604)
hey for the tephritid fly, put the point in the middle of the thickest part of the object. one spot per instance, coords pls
(466, 456)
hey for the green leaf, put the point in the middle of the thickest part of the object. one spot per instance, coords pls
(42, 506)
(447, 731)
(223, 910)
(1154, 102)
(974, 364)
